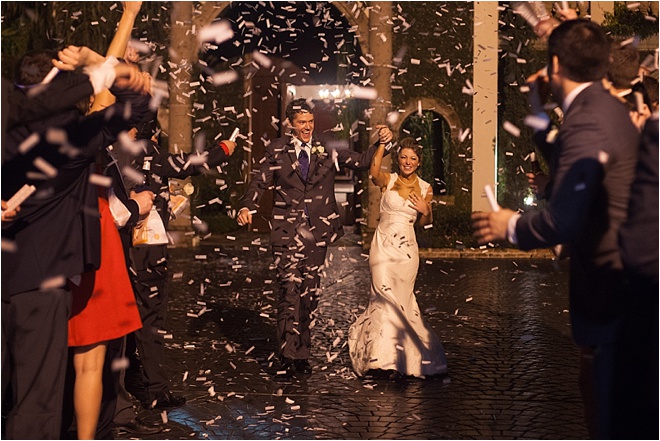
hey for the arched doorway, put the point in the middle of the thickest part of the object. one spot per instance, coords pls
(281, 44)
(436, 126)
(431, 131)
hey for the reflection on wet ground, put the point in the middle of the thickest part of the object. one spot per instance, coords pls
(504, 324)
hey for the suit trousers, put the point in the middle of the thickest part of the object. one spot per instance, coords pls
(150, 287)
(34, 358)
(635, 390)
(299, 267)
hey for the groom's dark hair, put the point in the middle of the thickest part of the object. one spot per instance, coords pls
(297, 106)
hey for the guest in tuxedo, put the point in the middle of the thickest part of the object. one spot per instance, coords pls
(55, 235)
(592, 169)
(636, 362)
(305, 220)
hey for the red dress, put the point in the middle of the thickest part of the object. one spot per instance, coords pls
(104, 305)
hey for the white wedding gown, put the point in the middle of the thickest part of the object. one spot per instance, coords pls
(391, 333)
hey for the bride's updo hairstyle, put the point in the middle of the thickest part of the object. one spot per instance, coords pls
(409, 143)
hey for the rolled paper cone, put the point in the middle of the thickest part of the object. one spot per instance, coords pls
(234, 134)
(490, 194)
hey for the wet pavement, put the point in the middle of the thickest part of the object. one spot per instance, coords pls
(504, 323)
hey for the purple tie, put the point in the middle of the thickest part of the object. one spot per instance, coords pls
(303, 159)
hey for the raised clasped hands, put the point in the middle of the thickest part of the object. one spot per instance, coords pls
(132, 7)
(384, 134)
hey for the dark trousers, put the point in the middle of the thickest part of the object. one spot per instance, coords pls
(299, 267)
(635, 365)
(150, 288)
(34, 359)
(124, 412)
(111, 376)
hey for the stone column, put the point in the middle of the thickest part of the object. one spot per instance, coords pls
(484, 102)
(183, 54)
(380, 45)
(598, 10)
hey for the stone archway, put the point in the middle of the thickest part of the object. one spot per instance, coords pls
(442, 138)
(440, 107)
(370, 21)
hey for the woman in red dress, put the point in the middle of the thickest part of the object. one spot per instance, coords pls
(103, 309)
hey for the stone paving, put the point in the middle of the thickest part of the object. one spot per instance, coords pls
(504, 323)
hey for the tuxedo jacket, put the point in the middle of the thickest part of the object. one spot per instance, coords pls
(57, 232)
(638, 237)
(293, 196)
(593, 167)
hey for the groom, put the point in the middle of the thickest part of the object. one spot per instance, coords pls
(304, 222)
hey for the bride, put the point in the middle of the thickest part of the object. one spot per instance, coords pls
(391, 333)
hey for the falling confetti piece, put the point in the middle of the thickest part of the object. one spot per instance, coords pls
(513, 130)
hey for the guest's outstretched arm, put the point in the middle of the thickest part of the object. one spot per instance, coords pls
(117, 49)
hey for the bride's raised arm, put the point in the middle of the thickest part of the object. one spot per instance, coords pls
(378, 176)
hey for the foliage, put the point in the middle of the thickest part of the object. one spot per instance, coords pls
(629, 22)
(451, 229)
(433, 47)
(520, 57)
(28, 26)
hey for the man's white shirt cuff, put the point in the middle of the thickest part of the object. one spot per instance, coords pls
(511, 229)
(102, 76)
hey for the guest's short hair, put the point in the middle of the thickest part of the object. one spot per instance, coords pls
(624, 65)
(148, 126)
(409, 143)
(33, 67)
(297, 106)
(582, 48)
(651, 86)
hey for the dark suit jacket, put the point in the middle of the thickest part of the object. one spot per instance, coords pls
(57, 232)
(279, 169)
(594, 165)
(638, 237)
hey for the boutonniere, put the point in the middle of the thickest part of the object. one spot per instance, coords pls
(318, 150)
